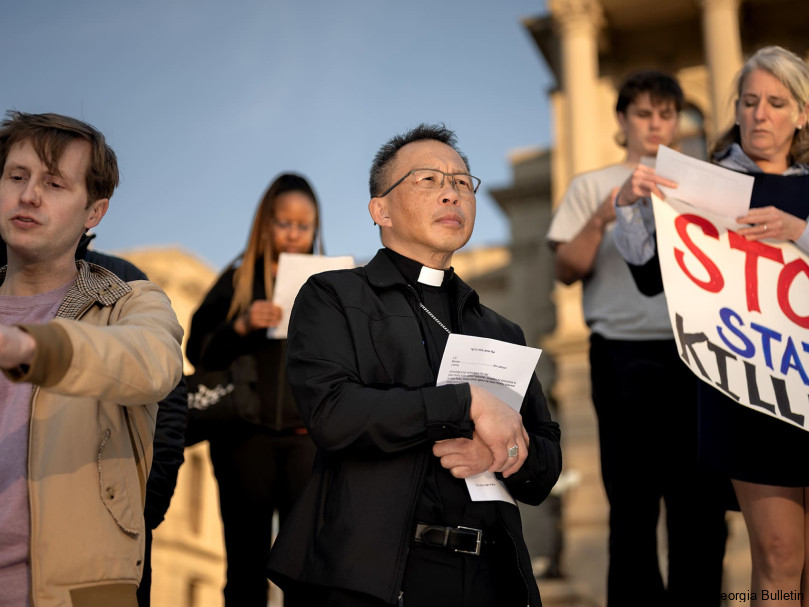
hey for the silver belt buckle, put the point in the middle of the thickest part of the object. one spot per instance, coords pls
(478, 541)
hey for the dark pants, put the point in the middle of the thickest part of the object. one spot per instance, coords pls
(645, 400)
(257, 472)
(145, 588)
(437, 578)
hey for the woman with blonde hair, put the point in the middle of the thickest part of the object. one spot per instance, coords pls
(262, 457)
(764, 457)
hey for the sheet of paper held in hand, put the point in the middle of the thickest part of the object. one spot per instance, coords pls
(293, 270)
(503, 369)
(705, 185)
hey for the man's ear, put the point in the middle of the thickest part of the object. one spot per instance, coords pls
(378, 208)
(97, 211)
(621, 117)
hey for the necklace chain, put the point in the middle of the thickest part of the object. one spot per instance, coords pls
(431, 315)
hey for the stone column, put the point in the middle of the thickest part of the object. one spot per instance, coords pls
(578, 23)
(723, 56)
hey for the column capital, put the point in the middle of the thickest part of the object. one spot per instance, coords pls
(577, 13)
(723, 54)
(713, 4)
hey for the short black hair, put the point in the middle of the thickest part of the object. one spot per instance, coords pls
(659, 85)
(386, 154)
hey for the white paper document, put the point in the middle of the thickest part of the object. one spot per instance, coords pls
(705, 185)
(293, 271)
(503, 369)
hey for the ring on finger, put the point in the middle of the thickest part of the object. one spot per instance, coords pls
(514, 450)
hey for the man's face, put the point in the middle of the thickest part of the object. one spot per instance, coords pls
(427, 225)
(42, 215)
(647, 125)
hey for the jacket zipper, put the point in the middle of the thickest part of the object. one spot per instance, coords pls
(461, 304)
(411, 510)
(406, 537)
(517, 560)
(416, 311)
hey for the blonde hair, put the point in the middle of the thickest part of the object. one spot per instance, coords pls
(793, 73)
(260, 242)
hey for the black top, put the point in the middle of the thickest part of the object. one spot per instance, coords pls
(213, 344)
(366, 390)
(444, 498)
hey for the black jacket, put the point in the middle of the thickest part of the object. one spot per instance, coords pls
(213, 344)
(367, 394)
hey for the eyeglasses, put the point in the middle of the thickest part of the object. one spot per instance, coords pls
(288, 226)
(433, 179)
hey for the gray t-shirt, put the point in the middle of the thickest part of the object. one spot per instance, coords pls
(613, 306)
(15, 405)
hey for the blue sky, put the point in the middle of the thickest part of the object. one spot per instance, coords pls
(206, 102)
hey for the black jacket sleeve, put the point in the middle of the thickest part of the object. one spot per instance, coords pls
(532, 483)
(648, 277)
(338, 358)
(169, 444)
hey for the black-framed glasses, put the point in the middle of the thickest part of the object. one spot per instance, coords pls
(433, 179)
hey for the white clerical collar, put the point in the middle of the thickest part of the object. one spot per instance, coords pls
(431, 276)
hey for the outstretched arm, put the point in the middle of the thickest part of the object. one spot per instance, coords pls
(16, 347)
(134, 361)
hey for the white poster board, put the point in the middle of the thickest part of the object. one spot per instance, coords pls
(739, 309)
(294, 269)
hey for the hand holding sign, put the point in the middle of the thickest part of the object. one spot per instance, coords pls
(770, 222)
(739, 309)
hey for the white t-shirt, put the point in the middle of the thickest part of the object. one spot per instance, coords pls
(613, 306)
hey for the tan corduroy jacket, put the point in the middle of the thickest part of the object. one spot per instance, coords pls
(112, 347)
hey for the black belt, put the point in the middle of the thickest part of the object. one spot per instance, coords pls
(459, 539)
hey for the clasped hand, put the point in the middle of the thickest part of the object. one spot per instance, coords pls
(498, 428)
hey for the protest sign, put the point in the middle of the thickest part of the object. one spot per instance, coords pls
(739, 309)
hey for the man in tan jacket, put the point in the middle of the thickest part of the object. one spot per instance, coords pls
(82, 353)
